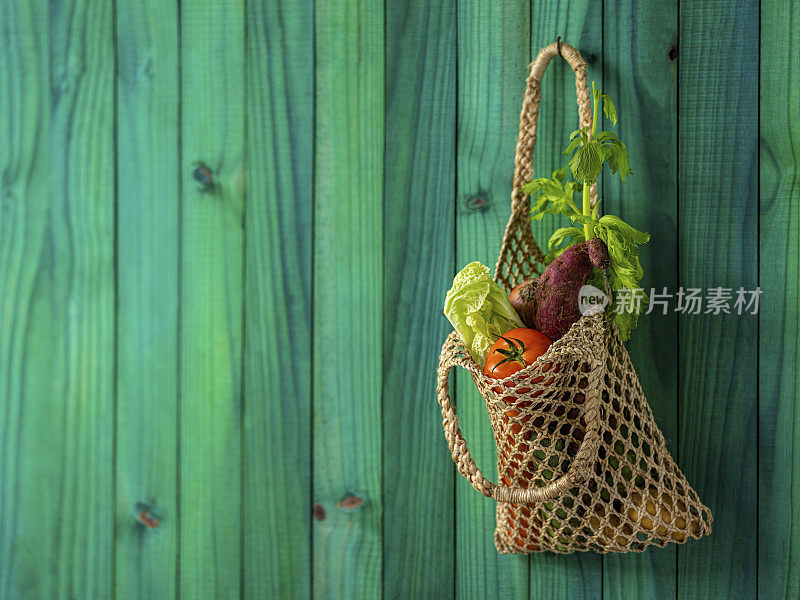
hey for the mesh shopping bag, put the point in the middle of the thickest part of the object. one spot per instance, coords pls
(580, 461)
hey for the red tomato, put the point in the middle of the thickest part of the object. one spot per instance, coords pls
(513, 351)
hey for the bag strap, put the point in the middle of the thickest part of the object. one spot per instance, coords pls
(518, 238)
(582, 463)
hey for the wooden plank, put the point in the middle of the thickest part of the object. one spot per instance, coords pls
(718, 216)
(29, 314)
(493, 58)
(779, 356)
(579, 23)
(277, 418)
(348, 299)
(57, 301)
(147, 243)
(640, 77)
(419, 242)
(212, 170)
(82, 166)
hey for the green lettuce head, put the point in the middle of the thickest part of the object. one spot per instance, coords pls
(479, 310)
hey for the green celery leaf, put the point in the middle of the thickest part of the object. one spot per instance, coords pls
(587, 162)
(559, 235)
(572, 146)
(626, 271)
(626, 322)
(533, 186)
(538, 208)
(624, 307)
(582, 219)
(551, 196)
(609, 109)
(596, 278)
(628, 233)
(604, 136)
(530, 188)
(581, 132)
(616, 155)
(570, 189)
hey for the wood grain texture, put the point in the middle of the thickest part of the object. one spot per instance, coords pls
(419, 242)
(57, 301)
(147, 338)
(348, 298)
(29, 310)
(277, 418)
(82, 230)
(641, 79)
(718, 216)
(577, 22)
(344, 253)
(212, 124)
(778, 353)
(493, 58)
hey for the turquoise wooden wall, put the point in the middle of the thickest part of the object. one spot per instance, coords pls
(226, 230)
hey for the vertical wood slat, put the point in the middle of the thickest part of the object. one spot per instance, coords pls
(779, 357)
(82, 230)
(718, 216)
(212, 221)
(578, 575)
(277, 420)
(30, 310)
(419, 241)
(641, 79)
(493, 53)
(348, 300)
(147, 271)
(57, 301)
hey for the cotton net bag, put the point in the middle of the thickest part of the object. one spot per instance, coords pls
(580, 461)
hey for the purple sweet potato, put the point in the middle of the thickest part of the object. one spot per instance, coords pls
(598, 253)
(558, 287)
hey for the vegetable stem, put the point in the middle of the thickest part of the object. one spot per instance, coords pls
(588, 228)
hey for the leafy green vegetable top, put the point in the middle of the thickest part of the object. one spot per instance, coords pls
(479, 310)
(590, 151)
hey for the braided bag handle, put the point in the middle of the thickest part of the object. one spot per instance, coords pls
(518, 238)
